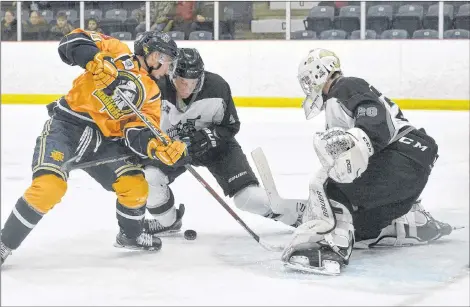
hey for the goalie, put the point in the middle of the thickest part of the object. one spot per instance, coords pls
(375, 166)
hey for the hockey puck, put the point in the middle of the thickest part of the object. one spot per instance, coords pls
(190, 234)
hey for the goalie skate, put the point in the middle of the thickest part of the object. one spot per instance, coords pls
(320, 259)
(153, 226)
(300, 263)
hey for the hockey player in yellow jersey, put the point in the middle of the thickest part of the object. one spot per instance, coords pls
(91, 122)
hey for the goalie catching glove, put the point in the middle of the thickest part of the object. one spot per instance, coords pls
(344, 154)
(144, 143)
(104, 71)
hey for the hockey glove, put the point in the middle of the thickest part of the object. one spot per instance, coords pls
(104, 71)
(168, 154)
(344, 154)
(202, 141)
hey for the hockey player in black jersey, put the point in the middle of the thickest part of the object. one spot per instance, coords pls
(197, 107)
(375, 164)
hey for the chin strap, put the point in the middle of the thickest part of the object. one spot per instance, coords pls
(150, 69)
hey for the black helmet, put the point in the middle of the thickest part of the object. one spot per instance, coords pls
(150, 41)
(189, 64)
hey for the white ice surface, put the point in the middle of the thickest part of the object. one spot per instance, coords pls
(69, 259)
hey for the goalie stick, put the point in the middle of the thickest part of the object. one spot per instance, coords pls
(267, 178)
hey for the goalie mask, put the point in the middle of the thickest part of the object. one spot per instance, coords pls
(313, 73)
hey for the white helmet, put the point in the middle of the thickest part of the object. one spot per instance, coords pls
(314, 71)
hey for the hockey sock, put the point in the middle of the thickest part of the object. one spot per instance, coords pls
(130, 219)
(165, 213)
(19, 224)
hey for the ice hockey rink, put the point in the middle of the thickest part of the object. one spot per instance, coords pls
(69, 258)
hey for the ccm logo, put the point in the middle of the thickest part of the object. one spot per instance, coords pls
(412, 142)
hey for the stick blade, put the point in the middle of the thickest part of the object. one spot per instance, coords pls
(271, 247)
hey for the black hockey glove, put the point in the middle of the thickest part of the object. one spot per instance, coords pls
(202, 141)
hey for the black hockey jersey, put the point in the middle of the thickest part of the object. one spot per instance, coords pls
(212, 107)
(352, 102)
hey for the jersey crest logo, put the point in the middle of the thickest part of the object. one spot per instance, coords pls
(131, 86)
(183, 129)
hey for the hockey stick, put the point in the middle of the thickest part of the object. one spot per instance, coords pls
(68, 166)
(159, 135)
(267, 178)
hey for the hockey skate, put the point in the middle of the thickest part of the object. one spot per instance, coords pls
(144, 241)
(414, 228)
(153, 226)
(322, 258)
(4, 253)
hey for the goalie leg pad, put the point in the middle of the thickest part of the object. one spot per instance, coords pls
(326, 235)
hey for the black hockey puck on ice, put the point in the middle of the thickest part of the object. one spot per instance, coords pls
(190, 234)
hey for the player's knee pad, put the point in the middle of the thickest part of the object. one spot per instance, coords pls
(159, 192)
(252, 199)
(45, 192)
(132, 191)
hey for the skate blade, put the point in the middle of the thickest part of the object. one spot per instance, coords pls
(168, 233)
(135, 248)
(330, 268)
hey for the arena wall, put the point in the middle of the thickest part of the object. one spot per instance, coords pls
(417, 74)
